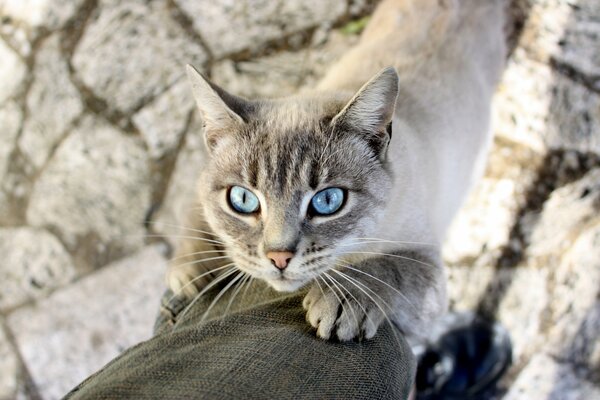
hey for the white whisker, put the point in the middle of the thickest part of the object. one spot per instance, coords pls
(354, 282)
(377, 240)
(336, 284)
(235, 293)
(195, 254)
(216, 242)
(198, 277)
(206, 289)
(388, 255)
(182, 227)
(381, 281)
(220, 294)
(200, 261)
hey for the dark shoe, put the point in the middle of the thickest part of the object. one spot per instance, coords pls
(465, 363)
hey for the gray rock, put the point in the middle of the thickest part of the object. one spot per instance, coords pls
(53, 103)
(541, 108)
(12, 72)
(283, 73)
(163, 122)
(94, 193)
(132, 51)
(544, 378)
(33, 263)
(567, 240)
(232, 26)
(9, 369)
(10, 123)
(521, 308)
(566, 34)
(49, 14)
(566, 211)
(484, 223)
(83, 327)
(178, 200)
(467, 284)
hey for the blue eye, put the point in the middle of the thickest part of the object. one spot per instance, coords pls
(327, 201)
(242, 200)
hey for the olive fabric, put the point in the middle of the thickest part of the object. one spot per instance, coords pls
(257, 346)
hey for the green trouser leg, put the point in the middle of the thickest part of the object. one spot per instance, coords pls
(261, 349)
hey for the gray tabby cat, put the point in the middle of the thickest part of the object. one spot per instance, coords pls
(350, 189)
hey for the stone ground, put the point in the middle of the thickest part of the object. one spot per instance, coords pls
(99, 135)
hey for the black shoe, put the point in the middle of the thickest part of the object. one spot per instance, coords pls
(465, 363)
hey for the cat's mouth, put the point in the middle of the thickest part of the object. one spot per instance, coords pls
(286, 284)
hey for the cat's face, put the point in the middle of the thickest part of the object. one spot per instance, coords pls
(291, 184)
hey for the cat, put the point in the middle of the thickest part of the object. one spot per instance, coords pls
(349, 189)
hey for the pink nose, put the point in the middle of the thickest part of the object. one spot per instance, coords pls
(280, 259)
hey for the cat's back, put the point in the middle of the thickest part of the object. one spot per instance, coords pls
(425, 39)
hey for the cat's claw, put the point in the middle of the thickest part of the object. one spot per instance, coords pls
(343, 317)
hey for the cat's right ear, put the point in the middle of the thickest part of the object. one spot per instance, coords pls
(221, 112)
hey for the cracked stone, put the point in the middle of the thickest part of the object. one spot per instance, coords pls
(575, 305)
(12, 72)
(34, 262)
(256, 22)
(131, 51)
(10, 123)
(53, 103)
(542, 109)
(162, 122)
(566, 211)
(84, 326)
(182, 187)
(49, 14)
(467, 284)
(284, 73)
(484, 223)
(566, 33)
(94, 193)
(9, 369)
(544, 378)
(521, 308)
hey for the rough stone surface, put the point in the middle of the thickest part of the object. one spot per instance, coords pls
(81, 328)
(53, 103)
(566, 212)
(566, 33)
(163, 122)
(49, 14)
(521, 309)
(12, 72)
(544, 378)
(33, 263)
(230, 26)
(10, 123)
(182, 188)
(560, 114)
(94, 193)
(485, 221)
(132, 51)
(284, 73)
(8, 368)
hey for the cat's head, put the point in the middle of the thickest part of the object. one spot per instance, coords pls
(292, 183)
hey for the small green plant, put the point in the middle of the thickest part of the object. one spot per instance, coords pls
(355, 27)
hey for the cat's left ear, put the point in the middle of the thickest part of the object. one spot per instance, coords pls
(221, 112)
(371, 109)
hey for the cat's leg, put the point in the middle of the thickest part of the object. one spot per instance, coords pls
(406, 288)
(198, 259)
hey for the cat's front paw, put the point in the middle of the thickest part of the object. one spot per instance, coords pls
(341, 313)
